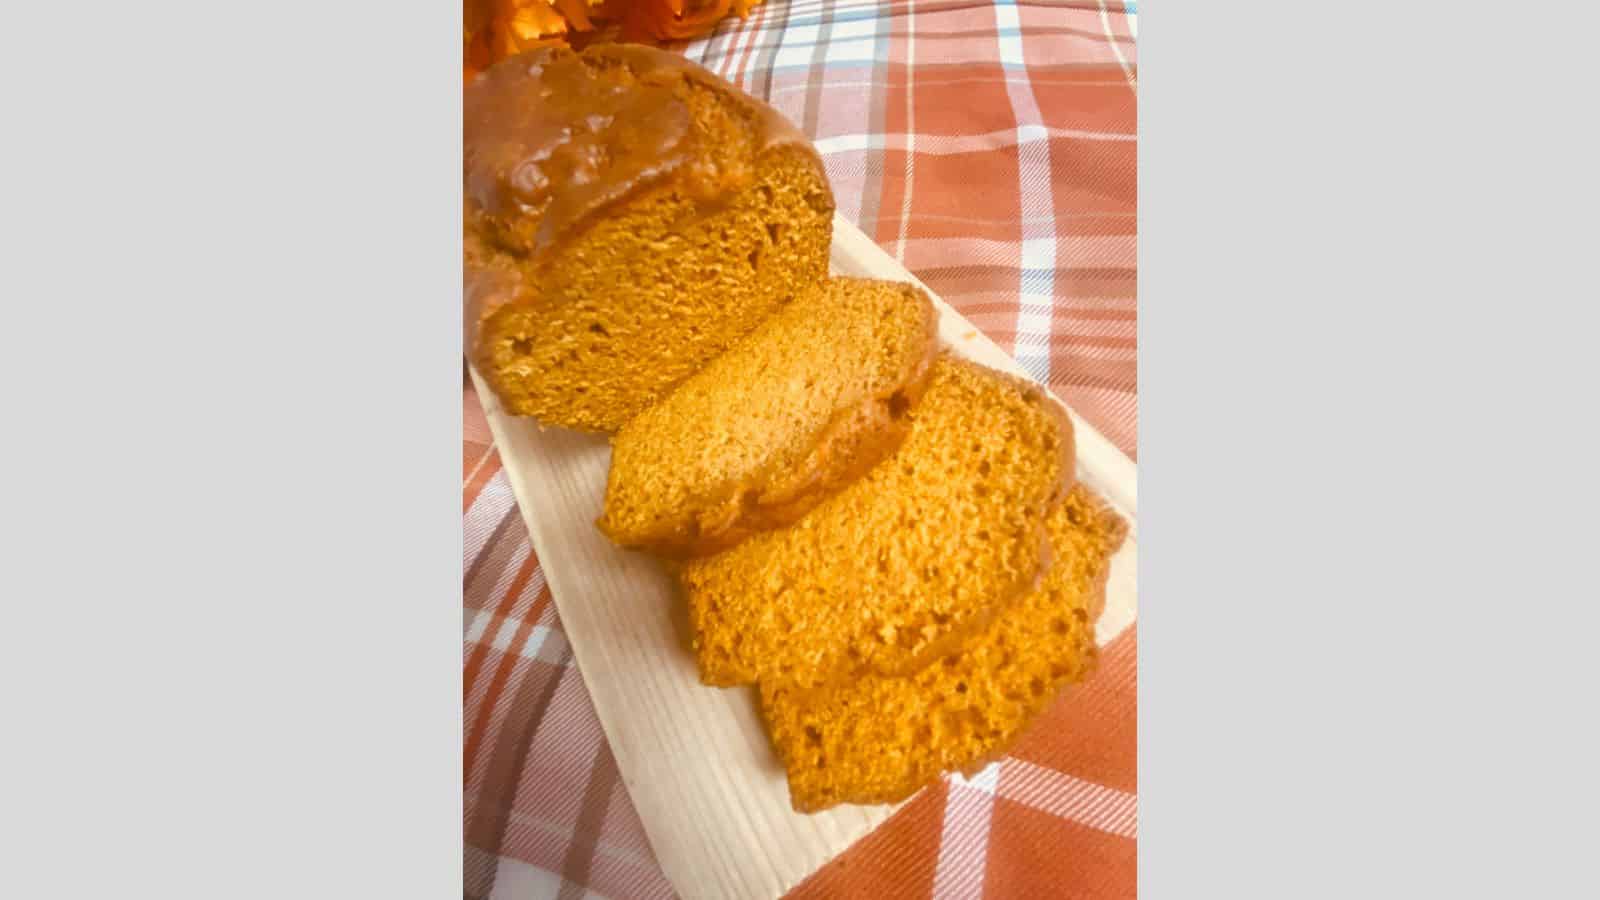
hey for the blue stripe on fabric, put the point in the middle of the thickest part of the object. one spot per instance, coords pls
(1034, 362)
(1039, 281)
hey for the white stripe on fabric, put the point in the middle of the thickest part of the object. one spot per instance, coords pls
(696, 49)
(1083, 329)
(517, 880)
(845, 51)
(1006, 298)
(945, 145)
(910, 136)
(477, 467)
(964, 841)
(1006, 17)
(792, 52)
(724, 63)
(839, 6)
(1008, 220)
(929, 82)
(497, 631)
(609, 843)
(1034, 319)
(851, 29)
(530, 592)
(1038, 253)
(986, 779)
(490, 506)
(841, 143)
(477, 625)
(747, 54)
(1067, 797)
(1088, 252)
(1105, 22)
(519, 555)
(1037, 206)
(1082, 350)
(530, 647)
(543, 641)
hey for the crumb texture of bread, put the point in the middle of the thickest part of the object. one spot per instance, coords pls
(810, 400)
(629, 216)
(902, 563)
(879, 740)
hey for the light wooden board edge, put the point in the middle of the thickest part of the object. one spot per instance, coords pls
(694, 759)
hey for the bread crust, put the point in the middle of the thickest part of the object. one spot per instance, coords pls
(516, 119)
(846, 448)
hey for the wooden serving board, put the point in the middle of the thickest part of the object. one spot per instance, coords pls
(695, 759)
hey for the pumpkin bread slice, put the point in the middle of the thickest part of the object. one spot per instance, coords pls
(811, 400)
(878, 740)
(897, 567)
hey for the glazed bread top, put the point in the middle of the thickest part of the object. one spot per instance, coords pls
(553, 138)
(628, 218)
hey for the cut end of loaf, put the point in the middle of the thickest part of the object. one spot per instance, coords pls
(808, 402)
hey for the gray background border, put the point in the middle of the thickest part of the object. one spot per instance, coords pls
(1366, 450)
(1367, 459)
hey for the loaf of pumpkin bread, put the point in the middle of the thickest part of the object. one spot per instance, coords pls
(628, 217)
(809, 401)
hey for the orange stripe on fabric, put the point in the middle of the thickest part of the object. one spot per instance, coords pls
(481, 652)
(984, 185)
(1029, 849)
(1093, 731)
(474, 424)
(979, 107)
(611, 874)
(1061, 313)
(473, 454)
(1069, 282)
(498, 681)
(1063, 31)
(1066, 797)
(1009, 335)
(487, 467)
(1092, 75)
(748, 52)
(502, 609)
(490, 807)
(578, 864)
(891, 196)
(895, 860)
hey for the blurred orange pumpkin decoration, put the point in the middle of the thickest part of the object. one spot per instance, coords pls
(495, 29)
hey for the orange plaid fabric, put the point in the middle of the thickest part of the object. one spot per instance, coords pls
(990, 146)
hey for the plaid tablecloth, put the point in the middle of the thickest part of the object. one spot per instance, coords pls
(990, 147)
